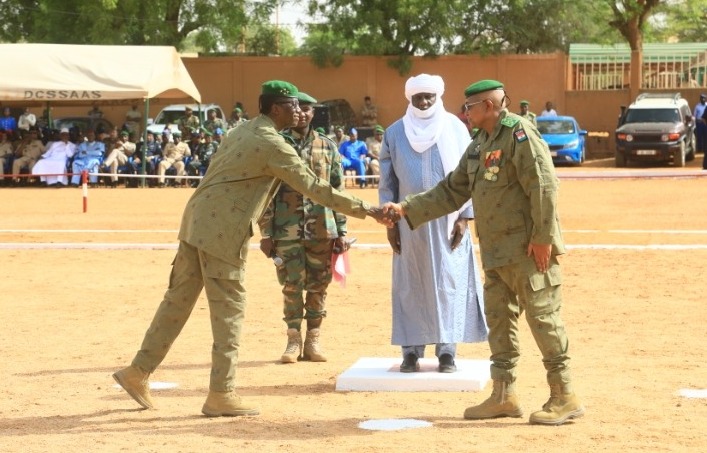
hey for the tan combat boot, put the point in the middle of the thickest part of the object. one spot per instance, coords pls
(562, 406)
(226, 404)
(503, 402)
(294, 346)
(312, 348)
(134, 381)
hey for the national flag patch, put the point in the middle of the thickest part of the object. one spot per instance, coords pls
(520, 135)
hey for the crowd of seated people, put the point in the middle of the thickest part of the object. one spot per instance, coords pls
(34, 155)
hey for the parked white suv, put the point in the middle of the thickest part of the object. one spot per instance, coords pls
(173, 113)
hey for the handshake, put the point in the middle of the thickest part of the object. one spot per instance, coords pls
(388, 214)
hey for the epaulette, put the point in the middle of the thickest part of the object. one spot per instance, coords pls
(509, 121)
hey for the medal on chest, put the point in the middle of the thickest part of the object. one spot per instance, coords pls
(492, 164)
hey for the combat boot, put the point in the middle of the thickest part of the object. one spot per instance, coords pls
(294, 346)
(226, 404)
(563, 405)
(135, 382)
(312, 348)
(503, 402)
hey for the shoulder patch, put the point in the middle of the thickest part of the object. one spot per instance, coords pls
(509, 121)
(520, 135)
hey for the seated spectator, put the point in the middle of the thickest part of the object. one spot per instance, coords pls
(149, 151)
(28, 151)
(7, 153)
(201, 158)
(374, 146)
(353, 156)
(51, 168)
(123, 148)
(339, 136)
(88, 157)
(26, 121)
(173, 156)
(218, 135)
(7, 121)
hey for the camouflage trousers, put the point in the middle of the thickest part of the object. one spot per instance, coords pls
(306, 267)
(508, 292)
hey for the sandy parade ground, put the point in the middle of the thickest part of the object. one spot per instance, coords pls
(80, 289)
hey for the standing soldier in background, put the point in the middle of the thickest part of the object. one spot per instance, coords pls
(527, 114)
(213, 122)
(508, 172)
(188, 123)
(303, 234)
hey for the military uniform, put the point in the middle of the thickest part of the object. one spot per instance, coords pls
(530, 116)
(188, 124)
(303, 232)
(513, 187)
(173, 156)
(511, 179)
(27, 154)
(216, 228)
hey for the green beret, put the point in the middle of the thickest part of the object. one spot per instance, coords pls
(279, 88)
(304, 98)
(380, 128)
(207, 133)
(320, 130)
(481, 86)
(524, 102)
(177, 133)
(238, 109)
(124, 133)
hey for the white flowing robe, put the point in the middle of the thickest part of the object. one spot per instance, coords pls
(437, 293)
(53, 162)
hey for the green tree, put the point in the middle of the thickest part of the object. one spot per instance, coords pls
(685, 20)
(210, 24)
(404, 28)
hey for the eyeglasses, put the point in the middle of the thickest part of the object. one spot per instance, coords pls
(468, 107)
(294, 103)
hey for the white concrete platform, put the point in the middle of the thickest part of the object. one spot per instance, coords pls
(376, 374)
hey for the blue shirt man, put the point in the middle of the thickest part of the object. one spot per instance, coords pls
(353, 156)
(8, 122)
(88, 157)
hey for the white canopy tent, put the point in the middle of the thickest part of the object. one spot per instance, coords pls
(70, 74)
(62, 74)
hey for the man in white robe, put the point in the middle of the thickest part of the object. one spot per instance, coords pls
(437, 293)
(51, 168)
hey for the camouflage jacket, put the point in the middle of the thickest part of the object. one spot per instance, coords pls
(291, 215)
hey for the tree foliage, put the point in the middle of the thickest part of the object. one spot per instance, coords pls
(630, 18)
(211, 25)
(404, 28)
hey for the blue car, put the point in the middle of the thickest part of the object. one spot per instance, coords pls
(564, 137)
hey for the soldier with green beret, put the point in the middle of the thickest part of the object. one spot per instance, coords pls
(509, 175)
(303, 234)
(217, 225)
(526, 113)
(213, 122)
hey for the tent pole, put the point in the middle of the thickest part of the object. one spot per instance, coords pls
(143, 180)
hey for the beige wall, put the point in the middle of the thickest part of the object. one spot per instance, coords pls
(536, 78)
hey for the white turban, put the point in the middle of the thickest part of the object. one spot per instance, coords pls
(424, 83)
(434, 126)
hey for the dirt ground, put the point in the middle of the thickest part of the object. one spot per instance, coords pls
(71, 317)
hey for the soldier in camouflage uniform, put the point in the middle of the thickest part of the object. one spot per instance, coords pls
(303, 234)
(509, 174)
(189, 122)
